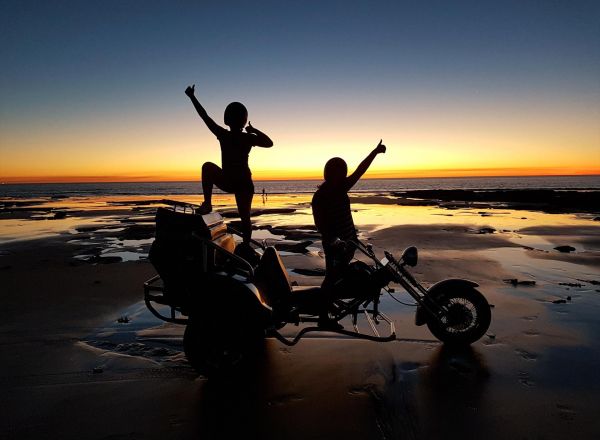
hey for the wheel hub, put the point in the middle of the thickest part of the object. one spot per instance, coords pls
(459, 317)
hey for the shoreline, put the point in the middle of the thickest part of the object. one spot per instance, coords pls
(552, 201)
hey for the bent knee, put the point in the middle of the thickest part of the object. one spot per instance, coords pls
(209, 167)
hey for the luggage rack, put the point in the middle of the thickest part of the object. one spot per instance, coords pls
(184, 206)
(151, 288)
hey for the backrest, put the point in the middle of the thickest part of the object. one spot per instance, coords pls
(177, 225)
(271, 278)
(177, 256)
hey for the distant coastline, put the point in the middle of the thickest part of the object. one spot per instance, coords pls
(60, 190)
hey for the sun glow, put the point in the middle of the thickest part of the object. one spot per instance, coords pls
(434, 143)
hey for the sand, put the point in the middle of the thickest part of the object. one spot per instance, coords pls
(71, 370)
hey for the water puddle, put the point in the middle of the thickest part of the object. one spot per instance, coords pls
(136, 332)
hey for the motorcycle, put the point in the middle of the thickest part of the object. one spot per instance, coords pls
(230, 299)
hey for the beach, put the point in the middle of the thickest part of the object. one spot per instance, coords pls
(83, 358)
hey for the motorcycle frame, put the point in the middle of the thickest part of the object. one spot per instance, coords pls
(402, 277)
(154, 293)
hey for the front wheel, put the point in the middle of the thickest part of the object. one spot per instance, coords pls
(466, 316)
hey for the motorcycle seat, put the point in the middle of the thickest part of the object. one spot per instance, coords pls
(271, 278)
(306, 290)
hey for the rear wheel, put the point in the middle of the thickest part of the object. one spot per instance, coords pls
(213, 351)
(466, 318)
(226, 326)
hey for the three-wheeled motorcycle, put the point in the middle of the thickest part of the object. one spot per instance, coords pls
(231, 300)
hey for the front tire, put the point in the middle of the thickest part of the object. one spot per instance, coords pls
(466, 319)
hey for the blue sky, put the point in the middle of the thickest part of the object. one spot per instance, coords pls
(94, 67)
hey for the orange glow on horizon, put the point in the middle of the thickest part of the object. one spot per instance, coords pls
(274, 175)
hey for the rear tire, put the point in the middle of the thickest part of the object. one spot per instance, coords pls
(212, 351)
(225, 327)
(467, 319)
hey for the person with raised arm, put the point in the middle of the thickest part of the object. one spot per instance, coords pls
(235, 175)
(333, 219)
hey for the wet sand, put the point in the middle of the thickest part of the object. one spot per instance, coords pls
(82, 358)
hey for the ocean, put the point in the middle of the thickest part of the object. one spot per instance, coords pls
(61, 190)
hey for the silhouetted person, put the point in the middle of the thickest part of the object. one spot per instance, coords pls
(235, 176)
(333, 218)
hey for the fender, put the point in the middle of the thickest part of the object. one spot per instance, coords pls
(224, 291)
(438, 289)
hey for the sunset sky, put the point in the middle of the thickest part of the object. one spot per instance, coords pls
(94, 91)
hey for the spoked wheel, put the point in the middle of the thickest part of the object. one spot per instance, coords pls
(221, 352)
(466, 319)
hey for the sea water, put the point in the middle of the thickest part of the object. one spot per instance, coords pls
(62, 190)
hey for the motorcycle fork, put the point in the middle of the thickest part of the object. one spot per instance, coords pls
(419, 293)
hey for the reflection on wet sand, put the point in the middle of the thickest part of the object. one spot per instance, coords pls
(532, 375)
(451, 394)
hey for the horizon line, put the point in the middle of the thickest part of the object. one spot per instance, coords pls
(96, 179)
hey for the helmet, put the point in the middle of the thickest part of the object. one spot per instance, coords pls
(236, 115)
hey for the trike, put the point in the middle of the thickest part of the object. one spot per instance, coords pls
(230, 302)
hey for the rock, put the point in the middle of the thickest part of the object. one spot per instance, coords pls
(593, 282)
(310, 272)
(299, 248)
(486, 231)
(123, 319)
(565, 249)
(97, 370)
(559, 301)
(597, 219)
(103, 260)
(137, 232)
(516, 282)
(89, 228)
(294, 233)
(60, 214)
(570, 284)
(159, 351)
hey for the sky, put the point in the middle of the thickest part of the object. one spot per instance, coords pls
(94, 91)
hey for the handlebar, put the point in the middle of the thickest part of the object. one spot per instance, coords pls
(365, 249)
(368, 251)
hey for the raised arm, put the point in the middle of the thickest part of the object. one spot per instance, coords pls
(261, 139)
(215, 128)
(364, 165)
